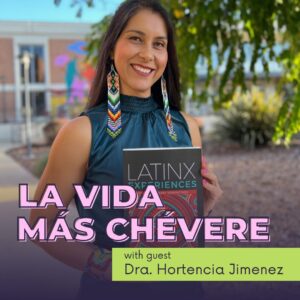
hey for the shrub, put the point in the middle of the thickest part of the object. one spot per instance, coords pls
(51, 129)
(250, 119)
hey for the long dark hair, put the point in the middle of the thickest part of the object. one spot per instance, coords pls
(127, 10)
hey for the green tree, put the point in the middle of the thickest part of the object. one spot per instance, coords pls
(218, 32)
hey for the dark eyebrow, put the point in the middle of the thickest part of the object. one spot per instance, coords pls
(142, 33)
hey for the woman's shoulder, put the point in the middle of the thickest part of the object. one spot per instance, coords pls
(77, 127)
(189, 119)
(74, 137)
(193, 128)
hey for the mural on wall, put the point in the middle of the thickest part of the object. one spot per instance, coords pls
(78, 77)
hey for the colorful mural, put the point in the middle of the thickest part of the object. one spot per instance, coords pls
(78, 77)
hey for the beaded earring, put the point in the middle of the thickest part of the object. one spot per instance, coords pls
(114, 125)
(171, 131)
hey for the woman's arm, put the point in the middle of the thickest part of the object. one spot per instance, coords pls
(67, 164)
(212, 189)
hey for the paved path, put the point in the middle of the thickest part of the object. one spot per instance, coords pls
(24, 266)
(11, 175)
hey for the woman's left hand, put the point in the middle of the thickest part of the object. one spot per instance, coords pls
(211, 187)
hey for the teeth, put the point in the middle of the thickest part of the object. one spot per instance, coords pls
(143, 70)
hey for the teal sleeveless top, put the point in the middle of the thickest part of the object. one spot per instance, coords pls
(143, 126)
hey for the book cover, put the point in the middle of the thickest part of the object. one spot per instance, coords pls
(175, 173)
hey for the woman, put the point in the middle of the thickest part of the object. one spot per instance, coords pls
(136, 76)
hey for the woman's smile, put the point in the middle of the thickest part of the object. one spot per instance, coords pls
(141, 70)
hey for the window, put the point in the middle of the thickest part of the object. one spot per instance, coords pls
(38, 104)
(37, 63)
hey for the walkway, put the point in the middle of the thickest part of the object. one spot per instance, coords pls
(24, 266)
(11, 175)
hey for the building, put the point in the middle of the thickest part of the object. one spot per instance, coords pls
(59, 78)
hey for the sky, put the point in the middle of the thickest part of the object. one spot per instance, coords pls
(47, 11)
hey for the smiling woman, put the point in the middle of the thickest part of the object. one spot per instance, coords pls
(141, 56)
(134, 103)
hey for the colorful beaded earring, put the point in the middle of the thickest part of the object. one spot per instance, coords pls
(171, 131)
(114, 125)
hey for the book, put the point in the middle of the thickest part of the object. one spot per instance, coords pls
(175, 173)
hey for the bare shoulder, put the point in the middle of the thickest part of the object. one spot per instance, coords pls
(193, 128)
(72, 144)
(66, 165)
(79, 127)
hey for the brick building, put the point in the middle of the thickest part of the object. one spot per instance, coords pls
(59, 78)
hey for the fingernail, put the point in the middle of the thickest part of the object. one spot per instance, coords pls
(204, 181)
